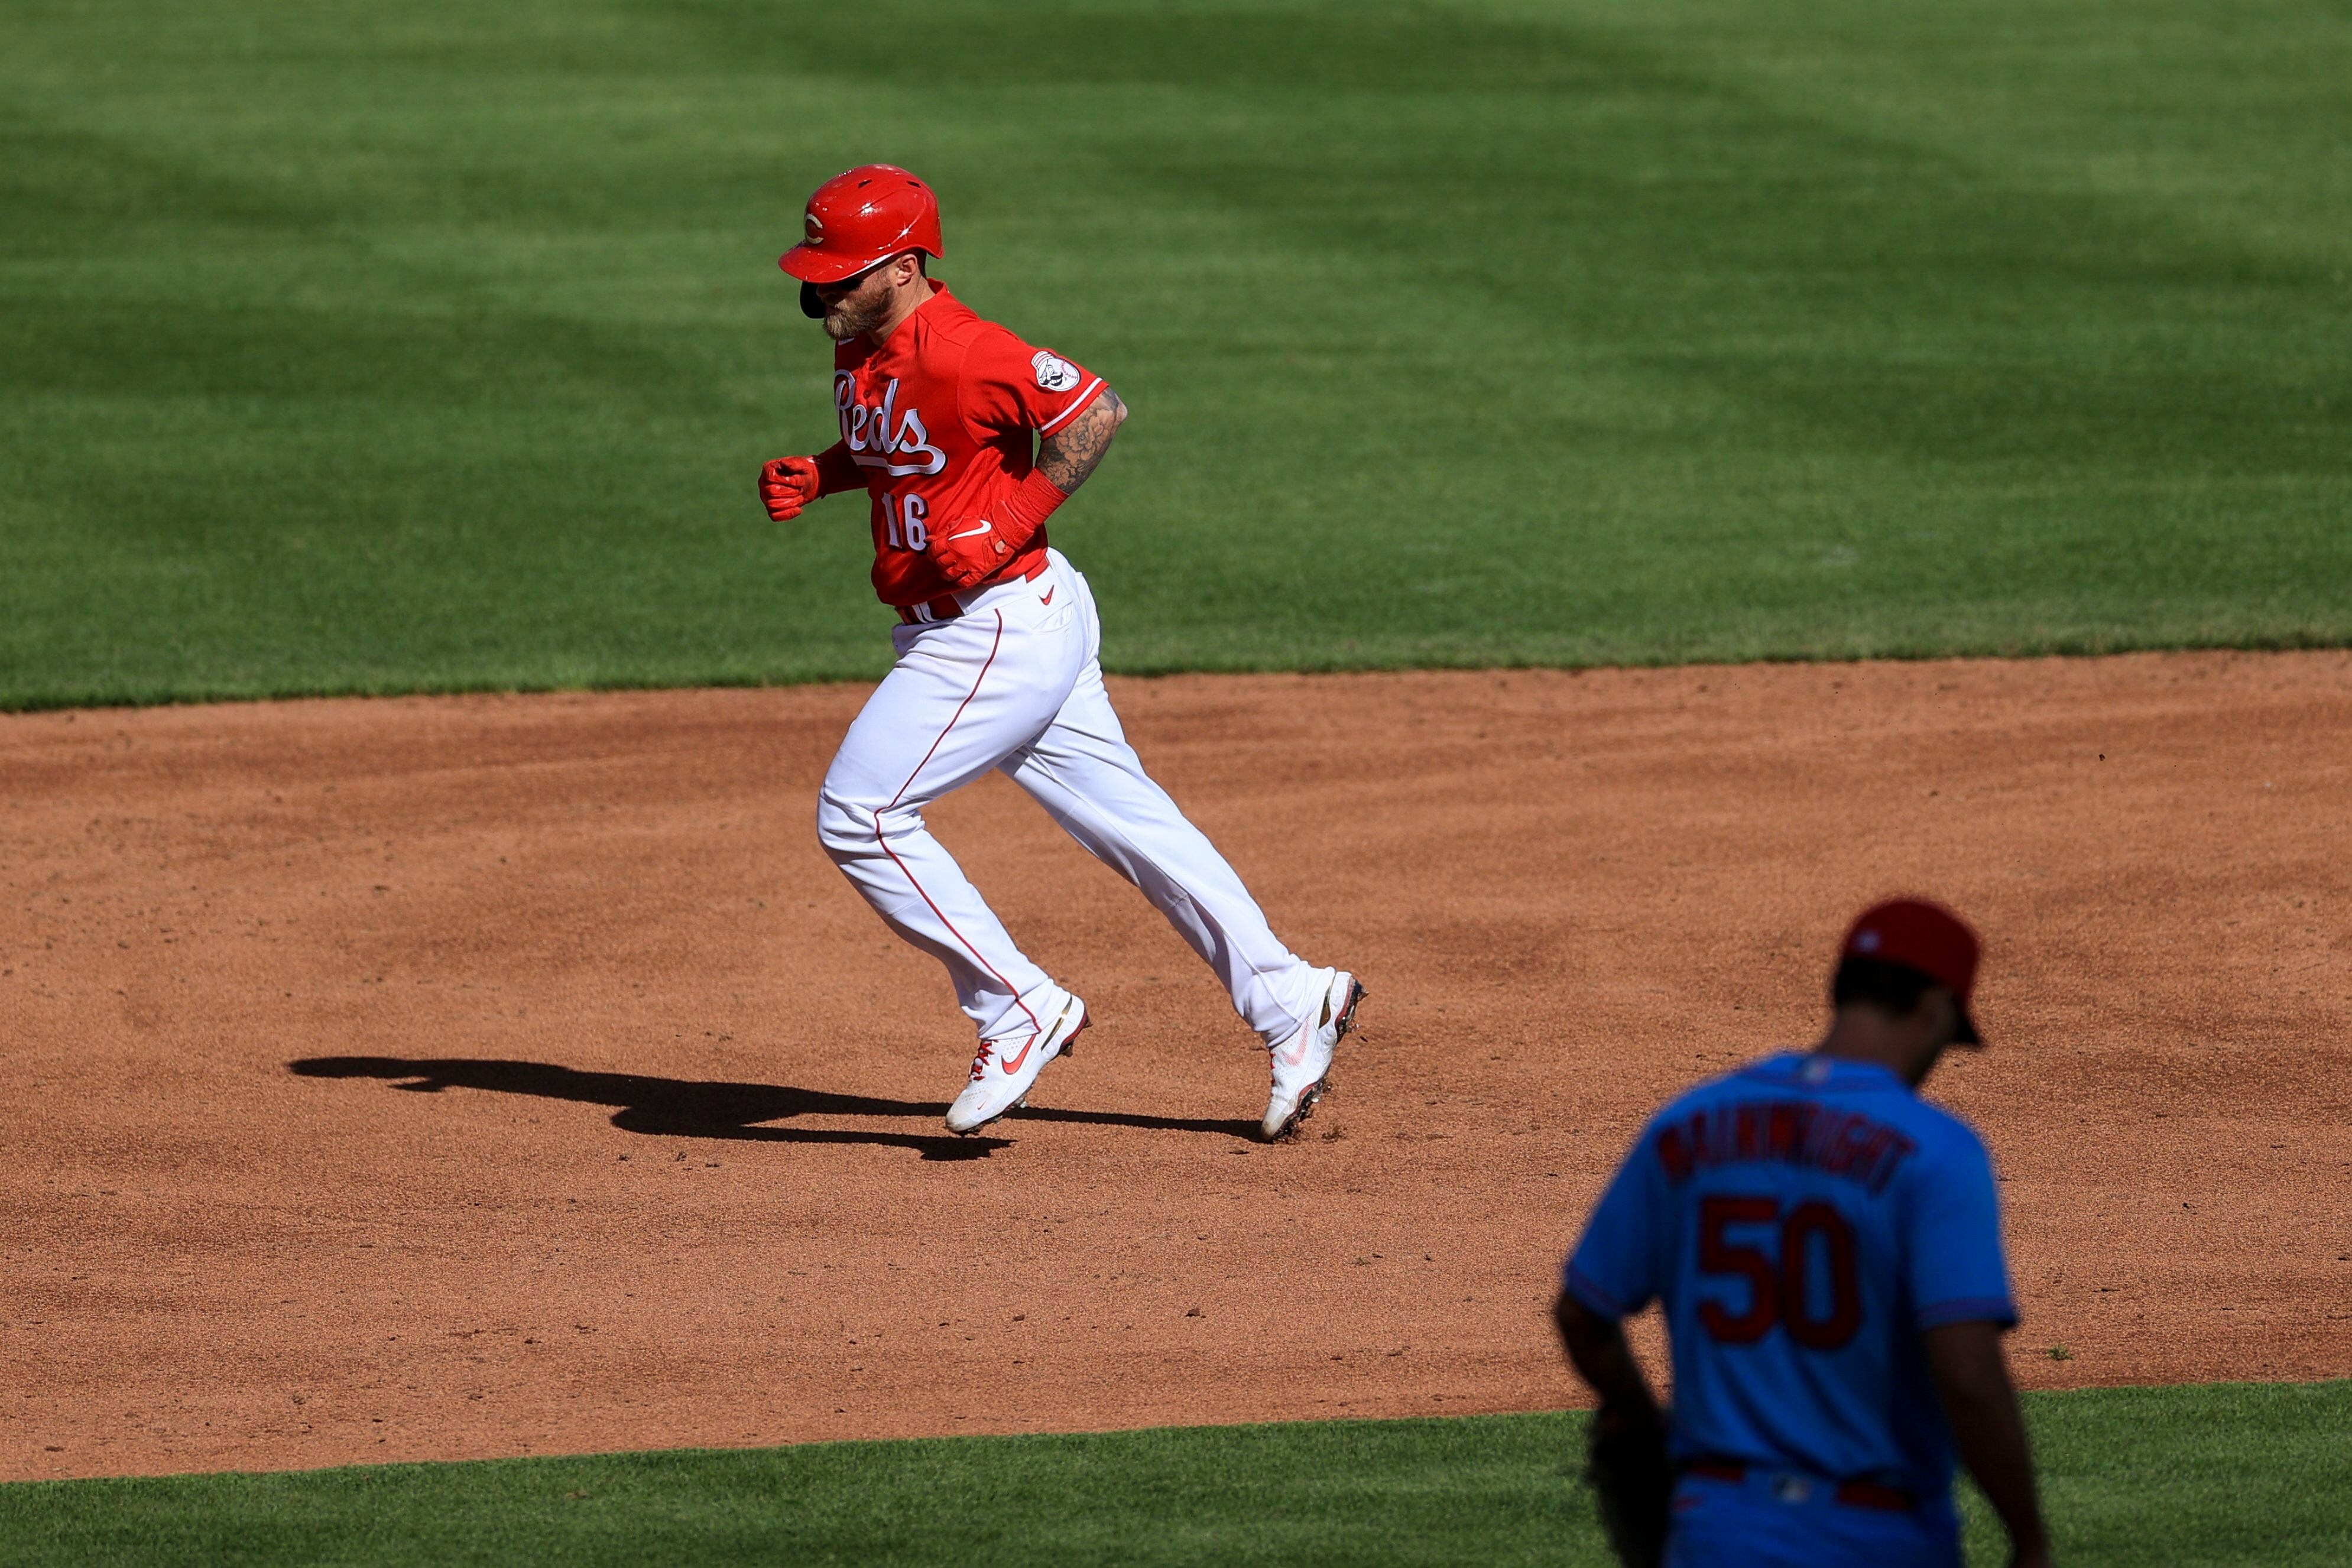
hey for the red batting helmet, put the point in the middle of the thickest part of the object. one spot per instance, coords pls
(867, 215)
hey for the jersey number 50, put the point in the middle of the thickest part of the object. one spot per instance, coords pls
(1776, 1290)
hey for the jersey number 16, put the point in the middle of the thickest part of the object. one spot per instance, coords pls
(1777, 1289)
(902, 522)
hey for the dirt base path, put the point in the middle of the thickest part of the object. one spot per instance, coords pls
(447, 1078)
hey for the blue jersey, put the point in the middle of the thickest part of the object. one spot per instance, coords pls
(1803, 1219)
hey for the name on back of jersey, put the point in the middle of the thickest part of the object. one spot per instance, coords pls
(1801, 1132)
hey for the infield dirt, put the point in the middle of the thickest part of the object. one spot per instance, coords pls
(448, 1078)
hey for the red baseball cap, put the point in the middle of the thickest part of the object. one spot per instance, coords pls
(1924, 935)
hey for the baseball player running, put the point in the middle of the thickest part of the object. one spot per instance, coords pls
(1827, 1248)
(999, 654)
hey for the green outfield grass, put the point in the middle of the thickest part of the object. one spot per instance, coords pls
(396, 344)
(2232, 1474)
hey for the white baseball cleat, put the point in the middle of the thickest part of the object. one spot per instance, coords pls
(1004, 1070)
(1302, 1064)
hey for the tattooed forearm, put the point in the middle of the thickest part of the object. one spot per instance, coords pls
(1070, 453)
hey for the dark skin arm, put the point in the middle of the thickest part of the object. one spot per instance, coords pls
(1596, 1349)
(1972, 1379)
(1070, 453)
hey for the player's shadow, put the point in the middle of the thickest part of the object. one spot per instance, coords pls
(685, 1108)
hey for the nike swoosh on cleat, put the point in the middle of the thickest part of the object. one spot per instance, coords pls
(969, 532)
(1009, 1065)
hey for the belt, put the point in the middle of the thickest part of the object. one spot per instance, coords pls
(947, 606)
(1853, 1494)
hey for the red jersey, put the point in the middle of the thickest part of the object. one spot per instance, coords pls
(938, 419)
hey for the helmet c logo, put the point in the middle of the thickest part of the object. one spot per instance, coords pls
(814, 227)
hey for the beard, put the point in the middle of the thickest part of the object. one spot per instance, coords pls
(860, 310)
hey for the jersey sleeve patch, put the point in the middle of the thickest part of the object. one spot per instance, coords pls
(1055, 373)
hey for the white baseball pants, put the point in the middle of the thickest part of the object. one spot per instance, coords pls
(1015, 683)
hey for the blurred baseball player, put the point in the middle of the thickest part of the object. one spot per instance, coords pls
(998, 653)
(1827, 1249)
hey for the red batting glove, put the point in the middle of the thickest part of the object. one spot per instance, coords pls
(969, 551)
(787, 485)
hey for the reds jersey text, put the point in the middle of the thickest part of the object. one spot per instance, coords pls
(941, 420)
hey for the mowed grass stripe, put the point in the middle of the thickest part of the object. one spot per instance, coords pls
(394, 346)
(2223, 1474)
